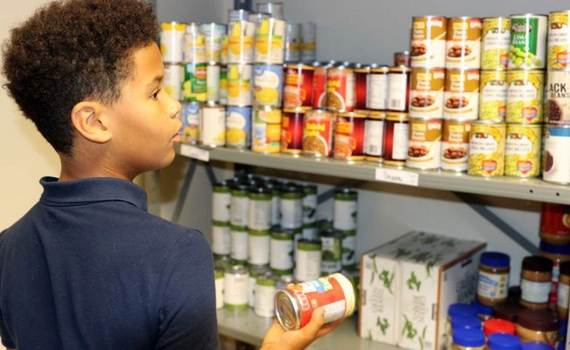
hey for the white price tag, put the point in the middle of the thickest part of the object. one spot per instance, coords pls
(397, 176)
(195, 152)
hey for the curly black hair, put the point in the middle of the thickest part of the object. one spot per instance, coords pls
(71, 50)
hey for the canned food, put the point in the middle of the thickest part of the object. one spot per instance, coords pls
(424, 143)
(291, 206)
(221, 200)
(194, 45)
(258, 247)
(349, 136)
(556, 158)
(219, 286)
(308, 260)
(293, 42)
(309, 35)
(558, 97)
(493, 95)
(399, 89)
(213, 36)
(310, 203)
(265, 288)
(238, 127)
(292, 131)
(317, 132)
(428, 41)
(266, 130)
(528, 41)
(555, 223)
(171, 34)
(361, 82)
(319, 85)
(282, 247)
(238, 15)
(463, 45)
(221, 239)
(525, 92)
(225, 50)
(378, 88)
(173, 79)
(522, 150)
(349, 248)
(331, 260)
(310, 231)
(194, 82)
(298, 89)
(190, 114)
(259, 212)
(270, 33)
(486, 148)
(455, 145)
(275, 187)
(274, 9)
(239, 205)
(254, 272)
(294, 305)
(395, 147)
(239, 84)
(461, 96)
(239, 244)
(558, 40)
(345, 209)
(340, 88)
(213, 83)
(240, 41)
(236, 288)
(426, 92)
(402, 58)
(373, 136)
(495, 41)
(212, 126)
(267, 85)
(224, 85)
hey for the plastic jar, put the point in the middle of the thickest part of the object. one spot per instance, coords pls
(497, 325)
(483, 311)
(468, 339)
(457, 311)
(536, 282)
(534, 345)
(463, 322)
(493, 283)
(558, 254)
(555, 223)
(502, 341)
(538, 325)
(508, 311)
(563, 298)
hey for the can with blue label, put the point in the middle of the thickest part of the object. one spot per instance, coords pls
(556, 158)
(190, 116)
(238, 126)
(268, 85)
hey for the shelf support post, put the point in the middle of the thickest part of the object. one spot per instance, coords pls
(184, 190)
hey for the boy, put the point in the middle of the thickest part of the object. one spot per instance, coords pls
(87, 267)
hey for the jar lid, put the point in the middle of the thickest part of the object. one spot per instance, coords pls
(537, 263)
(500, 341)
(495, 259)
(554, 248)
(535, 345)
(508, 311)
(538, 320)
(483, 309)
(515, 293)
(498, 325)
(461, 309)
(466, 322)
(468, 337)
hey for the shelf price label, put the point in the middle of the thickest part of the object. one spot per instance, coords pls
(195, 152)
(397, 176)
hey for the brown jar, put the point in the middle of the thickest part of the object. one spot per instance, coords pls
(536, 282)
(538, 325)
(563, 291)
(508, 311)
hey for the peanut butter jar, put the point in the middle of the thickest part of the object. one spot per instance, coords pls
(536, 281)
(538, 325)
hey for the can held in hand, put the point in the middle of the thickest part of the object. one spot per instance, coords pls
(240, 41)
(268, 85)
(556, 160)
(294, 305)
(269, 37)
(493, 95)
(522, 150)
(463, 45)
(424, 143)
(292, 131)
(455, 145)
(349, 136)
(266, 130)
(487, 148)
(190, 114)
(238, 127)
(495, 41)
(373, 136)
(428, 42)
(525, 91)
(318, 132)
(426, 92)
(212, 126)
(461, 96)
(298, 89)
(558, 97)
(528, 41)
(558, 54)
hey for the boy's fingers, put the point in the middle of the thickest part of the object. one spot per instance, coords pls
(317, 321)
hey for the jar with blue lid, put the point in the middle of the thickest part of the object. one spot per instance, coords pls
(457, 311)
(502, 341)
(534, 345)
(463, 322)
(483, 311)
(493, 285)
(468, 339)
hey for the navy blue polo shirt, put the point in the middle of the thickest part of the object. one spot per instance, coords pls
(89, 268)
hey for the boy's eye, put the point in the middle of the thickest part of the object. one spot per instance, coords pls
(155, 94)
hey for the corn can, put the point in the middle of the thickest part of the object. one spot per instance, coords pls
(558, 97)
(190, 114)
(428, 42)
(340, 89)
(239, 80)
(424, 143)
(223, 84)
(558, 55)
(455, 145)
(493, 95)
(212, 126)
(556, 160)
(298, 86)
(495, 40)
(426, 92)
(348, 140)
(266, 130)
(528, 41)
(194, 45)
(268, 85)
(318, 132)
(487, 148)
(292, 131)
(461, 96)
(171, 37)
(522, 150)
(213, 36)
(194, 86)
(373, 136)
(269, 41)
(173, 79)
(240, 41)
(463, 45)
(525, 91)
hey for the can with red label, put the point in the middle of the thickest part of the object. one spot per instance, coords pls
(320, 83)
(455, 145)
(395, 148)
(373, 136)
(361, 82)
(424, 143)
(295, 304)
(340, 88)
(378, 88)
(318, 132)
(399, 89)
(463, 47)
(428, 42)
(349, 136)
(266, 130)
(426, 92)
(292, 131)
(461, 96)
(558, 97)
(298, 86)
(558, 55)
(555, 223)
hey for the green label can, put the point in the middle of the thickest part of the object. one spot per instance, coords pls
(331, 252)
(265, 288)
(528, 41)
(195, 83)
(522, 150)
(221, 200)
(309, 204)
(291, 207)
(219, 286)
(254, 272)
(259, 210)
(239, 243)
(239, 205)
(281, 250)
(221, 238)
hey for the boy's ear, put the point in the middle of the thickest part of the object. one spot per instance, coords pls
(89, 121)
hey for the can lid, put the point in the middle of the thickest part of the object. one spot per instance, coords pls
(495, 259)
(496, 325)
(538, 320)
(537, 263)
(483, 309)
(345, 190)
(466, 322)
(287, 310)
(259, 190)
(554, 248)
(461, 309)
(468, 337)
(501, 341)
(535, 345)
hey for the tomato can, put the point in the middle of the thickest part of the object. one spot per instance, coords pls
(395, 147)
(340, 88)
(240, 41)
(378, 88)
(236, 288)
(193, 44)
(555, 223)
(298, 86)
(239, 244)
(239, 84)
(487, 148)
(266, 130)
(267, 85)
(281, 250)
(194, 82)
(173, 79)
(190, 114)
(212, 125)
(495, 41)
(463, 45)
(556, 160)
(318, 132)
(373, 136)
(349, 136)
(291, 206)
(424, 143)
(522, 150)
(292, 131)
(461, 96)
(361, 83)
(399, 89)
(294, 305)
(308, 257)
(238, 126)
(269, 37)
(331, 260)
(525, 91)
(345, 209)
(455, 145)
(213, 36)
(528, 41)
(428, 42)
(493, 95)
(265, 288)
(221, 234)
(558, 54)
(171, 37)
(426, 92)
(558, 97)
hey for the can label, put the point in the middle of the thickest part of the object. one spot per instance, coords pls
(424, 146)
(373, 136)
(463, 45)
(224, 85)
(214, 34)
(240, 41)
(308, 260)
(281, 254)
(173, 78)
(213, 83)
(238, 127)
(557, 155)
(361, 83)
(319, 87)
(495, 41)
(317, 133)
(293, 42)
(310, 203)
(528, 41)
(555, 222)
(194, 47)
(426, 92)
(522, 150)
(332, 252)
(349, 248)
(395, 149)
(267, 85)
(236, 291)
(292, 210)
(259, 213)
(298, 90)
(258, 250)
(239, 241)
(221, 238)
(455, 145)
(221, 200)
(428, 41)
(558, 41)
(219, 287)
(487, 149)
(345, 211)
(461, 94)
(269, 41)
(239, 206)
(340, 89)
(378, 89)
(212, 126)
(558, 98)
(190, 114)
(265, 288)
(194, 84)
(239, 84)
(292, 131)
(398, 89)
(525, 92)
(171, 36)
(493, 95)
(349, 136)
(266, 130)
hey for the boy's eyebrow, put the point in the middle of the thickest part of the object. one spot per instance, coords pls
(156, 80)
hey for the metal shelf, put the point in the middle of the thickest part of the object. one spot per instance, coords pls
(504, 186)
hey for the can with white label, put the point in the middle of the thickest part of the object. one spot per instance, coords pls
(193, 44)
(221, 239)
(291, 206)
(239, 80)
(240, 41)
(331, 260)
(236, 288)
(269, 41)
(212, 126)
(265, 289)
(214, 34)
(173, 78)
(455, 145)
(424, 143)
(254, 272)
(558, 97)
(259, 209)
(219, 286)
(556, 157)
(345, 203)
(373, 136)
(428, 42)
(308, 260)
(309, 203)
(171, 36)
(281, 251)
(399, 89)
(239, 205)
(221, 200)
(239, 244)
(213, 83)
(377, 96)
(463, 45)
(258, 247)
(268, 85)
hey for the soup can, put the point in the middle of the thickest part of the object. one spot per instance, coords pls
(292, 131)
(340, 88)
(361, 83)
(493, 95)
(293, 42)
(556, 160)
(291, 206)
(349, 136)
(428, 42)
(194, 45)
(345, 209)
(213, 36)
(236, 288)
(173, 79)
(308, 257)
(171, 36)
(487, 148)
(190, 114)
(399, 89)
(282, 247)
(424, 143)
(213, 83)
(377, 98)
(309, 36)
(331, 260)
(295, 304)
(267, 85)
(239, 244)
(265, 289)
(528, 41)
(240, 41)
(269, 37)
(395, 147)
(463, 45)
(461, 96)
(558, 55)
(212, 125)
(221, 236)
(495, 41)
(194, 82)
(558, 97)
(318, 132)
(455, 145)
(239, 84)
(525, 91)
(298, 86)
(426, 92)
(373, 136)
(266, 130)
(522, 150)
